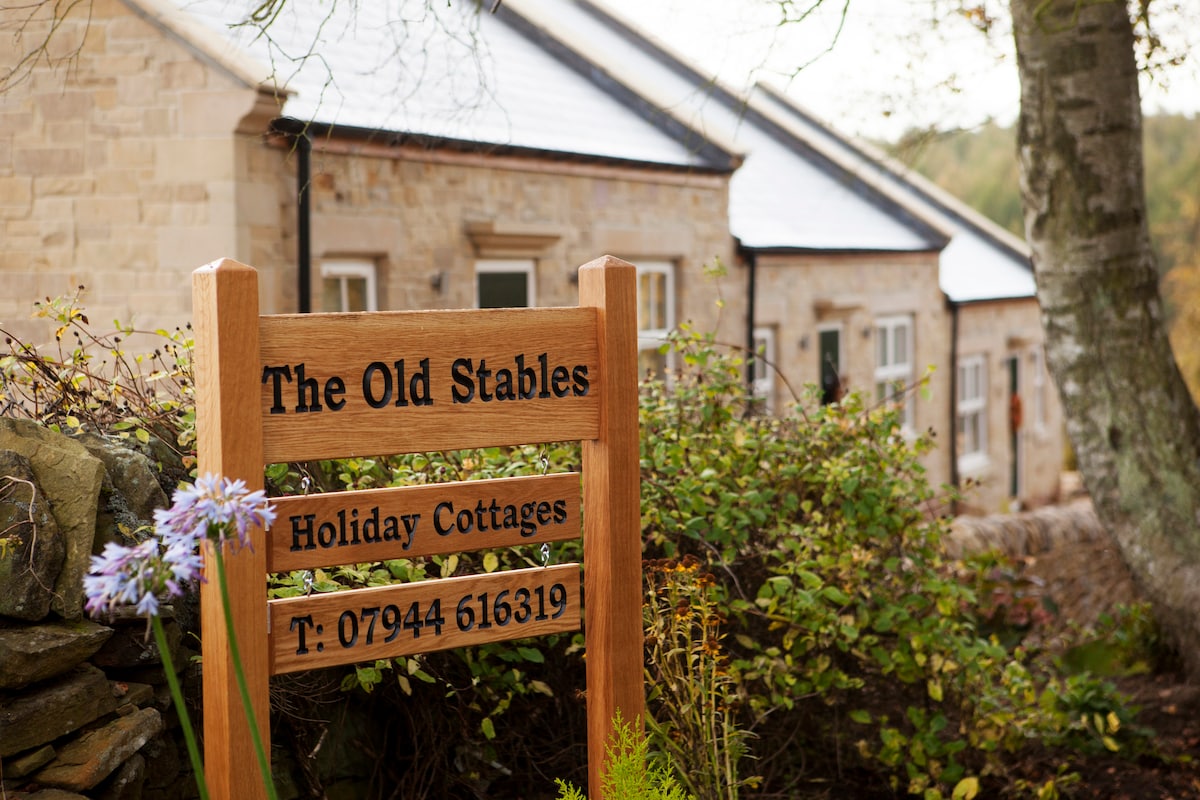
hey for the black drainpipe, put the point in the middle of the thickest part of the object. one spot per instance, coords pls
(297, 132)
(751, 290)
(955, 478)
(303, 223)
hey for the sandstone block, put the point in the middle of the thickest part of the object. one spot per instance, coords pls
(26, 763)
(29, 654)
(41, 714)
(70, 478)
(91, 758)
(34, 560)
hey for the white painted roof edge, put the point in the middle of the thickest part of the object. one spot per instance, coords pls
(210, 46)
(628, 77)
(905, 173)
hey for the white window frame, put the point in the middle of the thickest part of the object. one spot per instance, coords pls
(653, 338)
(341, 269)
(764, 367)
(840, 330)
(972, 405)
(1037, 358)
(509, 266)
(896, 371)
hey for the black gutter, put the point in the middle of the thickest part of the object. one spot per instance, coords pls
(297, 133)
(751, 292)
(389, 138)
(955, 478)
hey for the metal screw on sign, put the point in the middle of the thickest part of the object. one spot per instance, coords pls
(545, 553)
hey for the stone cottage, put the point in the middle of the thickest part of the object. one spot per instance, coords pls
(450, 159)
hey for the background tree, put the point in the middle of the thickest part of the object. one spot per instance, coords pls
(1133, 424)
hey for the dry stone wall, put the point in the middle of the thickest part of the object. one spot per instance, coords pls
(84, 708)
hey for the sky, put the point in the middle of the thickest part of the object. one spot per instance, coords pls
(884, 73)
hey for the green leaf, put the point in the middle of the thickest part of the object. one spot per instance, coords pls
(861, 716)
(491, 562)
(966, 789)
(489, 728)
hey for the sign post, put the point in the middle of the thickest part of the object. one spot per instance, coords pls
(288, 388)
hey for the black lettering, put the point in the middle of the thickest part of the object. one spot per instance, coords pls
(559, 379)
(464, 522)
(560, 512)
(442, 530)
(370, 527)
(301, 625)
(308, 386)
(368, 380)
(410, 526)
(510, 518)
(527, 512)
(461, 371)
(418, 386)
(334, 388)
(326, 534)
(481, 375)
(494, 509)
(305, 532)
(391, 530)
(543, 513)
(402, 398)
(544, 363)
(579, 374)
(480, 522)
(526, 379)
(275, 374)
(504, 385)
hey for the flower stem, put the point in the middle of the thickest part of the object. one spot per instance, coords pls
(264, 765)
(189, 735)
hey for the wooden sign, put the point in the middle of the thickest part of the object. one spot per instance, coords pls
(337, 385)
(388, 621)
(272, 389)
(377, 524)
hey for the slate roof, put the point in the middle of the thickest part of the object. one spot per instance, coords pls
(565, 77)
(442, 72)
(803, 186)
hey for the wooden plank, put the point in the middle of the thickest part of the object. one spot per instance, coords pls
(612, 540)
(367, 624)
(338, 385)
(377, 524)
(229, 443)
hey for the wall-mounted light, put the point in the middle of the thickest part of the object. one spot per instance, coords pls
(438, 281)
(866, 332)
(804, 342)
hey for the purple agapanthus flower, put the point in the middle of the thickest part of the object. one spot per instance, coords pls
(162, 565)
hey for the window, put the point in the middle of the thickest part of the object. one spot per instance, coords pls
(971, 413)
(656, 315)
(348, 285)
(762, 369)
(504, 283)
(829, 367)
(894, 364)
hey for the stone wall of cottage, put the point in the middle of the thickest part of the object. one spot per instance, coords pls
(424, 218)
(119, 169)
(798, 294)
(1000, 331)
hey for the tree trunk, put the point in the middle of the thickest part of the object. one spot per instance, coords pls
(1134, 427)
